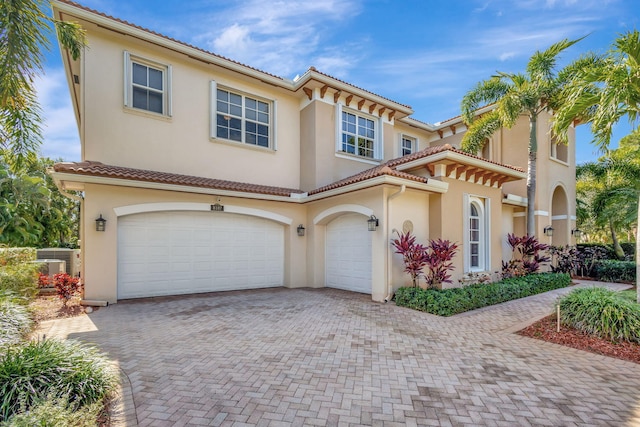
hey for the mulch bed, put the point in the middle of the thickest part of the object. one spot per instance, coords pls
(545, 330)
(49, 307)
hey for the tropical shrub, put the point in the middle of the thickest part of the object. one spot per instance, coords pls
(614, 271)
(66, 286)
(564, 259)
(526, 256)
(447, 302)
(15, 256)
(437, 256)
(414, 255)
(41, 370)
(20, 279)
(56, 412)
(601, 312)
(587, 257)
(44, 280)
(605, 251)
(440, 253)
(15, 322)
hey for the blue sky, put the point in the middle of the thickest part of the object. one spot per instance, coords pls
(423, 53)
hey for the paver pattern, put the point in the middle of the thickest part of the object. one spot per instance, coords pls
(326, 357)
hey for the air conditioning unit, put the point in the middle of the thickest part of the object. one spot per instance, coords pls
(70, 256)
(51, 266)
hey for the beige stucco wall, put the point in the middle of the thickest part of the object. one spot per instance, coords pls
(117, 135)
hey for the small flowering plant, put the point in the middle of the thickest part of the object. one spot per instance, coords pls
(66, 286)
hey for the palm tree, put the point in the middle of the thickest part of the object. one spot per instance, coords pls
(610, 194)
(514, 95)
(24, 29)
(602, 94)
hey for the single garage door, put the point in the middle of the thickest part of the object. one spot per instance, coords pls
(171, 253)
(348, 254)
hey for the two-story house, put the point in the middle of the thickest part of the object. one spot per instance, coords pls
(213, 175)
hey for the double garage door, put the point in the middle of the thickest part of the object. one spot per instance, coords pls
(171, 253)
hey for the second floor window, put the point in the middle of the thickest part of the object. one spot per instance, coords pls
(242, 118)
(358, 135)
(147, 85)
(407, 145)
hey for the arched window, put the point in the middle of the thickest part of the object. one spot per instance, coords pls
(476, 239)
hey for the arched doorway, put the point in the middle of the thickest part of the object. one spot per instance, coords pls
(560, 220)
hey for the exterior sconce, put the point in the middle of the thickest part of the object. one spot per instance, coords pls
(548, 231)
(300, 230)
(576, 233)
(101, 223)
(372, 223)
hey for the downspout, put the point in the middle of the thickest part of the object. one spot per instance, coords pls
(402, 189)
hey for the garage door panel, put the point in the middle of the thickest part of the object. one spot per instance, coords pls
(169, 253)
(348, 254)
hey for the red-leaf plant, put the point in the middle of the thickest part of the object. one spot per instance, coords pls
(414, 255)
(66, 286)
(441, 252)
(43, 280)
(437, 255)
(529, 250)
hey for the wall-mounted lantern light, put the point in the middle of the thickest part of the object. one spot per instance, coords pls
(300, 230)
(548, 231)
(576, 233)
(101, 223)
(372, 223)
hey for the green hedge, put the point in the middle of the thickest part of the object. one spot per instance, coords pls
(20, 280)
(615, 271)
(448, 302)
(15, 256)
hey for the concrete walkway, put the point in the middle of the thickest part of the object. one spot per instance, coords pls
(326, 357)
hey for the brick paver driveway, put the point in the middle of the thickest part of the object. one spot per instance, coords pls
(327, 357)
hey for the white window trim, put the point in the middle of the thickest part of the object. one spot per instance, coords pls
(414, 144)
(213, 112)
(485, 233)
(167, 77)
(377, 135)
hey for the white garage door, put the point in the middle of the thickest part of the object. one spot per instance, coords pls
(348, 254)
(171, 253)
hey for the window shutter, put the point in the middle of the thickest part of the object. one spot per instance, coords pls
(169, 78)
(127, 79)
(466, 247)
(338, 127)
(274, 114)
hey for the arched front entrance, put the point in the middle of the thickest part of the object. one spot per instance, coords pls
(560, 220)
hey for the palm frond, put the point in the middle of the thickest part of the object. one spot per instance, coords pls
(541, 65)
(485, 92)
(480, 131)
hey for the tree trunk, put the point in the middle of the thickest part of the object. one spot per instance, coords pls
(531, 175)
(616, 245)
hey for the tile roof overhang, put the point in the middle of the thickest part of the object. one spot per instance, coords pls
(456, 163)
(73, 176)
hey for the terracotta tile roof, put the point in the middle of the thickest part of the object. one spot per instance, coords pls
(389, 168)
(440, 148)
(368, 174)
(122, 21)
(359, 88)
(90, 168)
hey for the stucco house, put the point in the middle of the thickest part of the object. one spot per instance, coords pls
(213, 175)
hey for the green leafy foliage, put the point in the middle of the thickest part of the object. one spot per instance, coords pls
(56, 412)
(447, 302)
(14, 256)
(601, 312)
(20, 280)
(15, 322)
(615, 271)
(25, 25)
(40, 370)
(32, 210)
